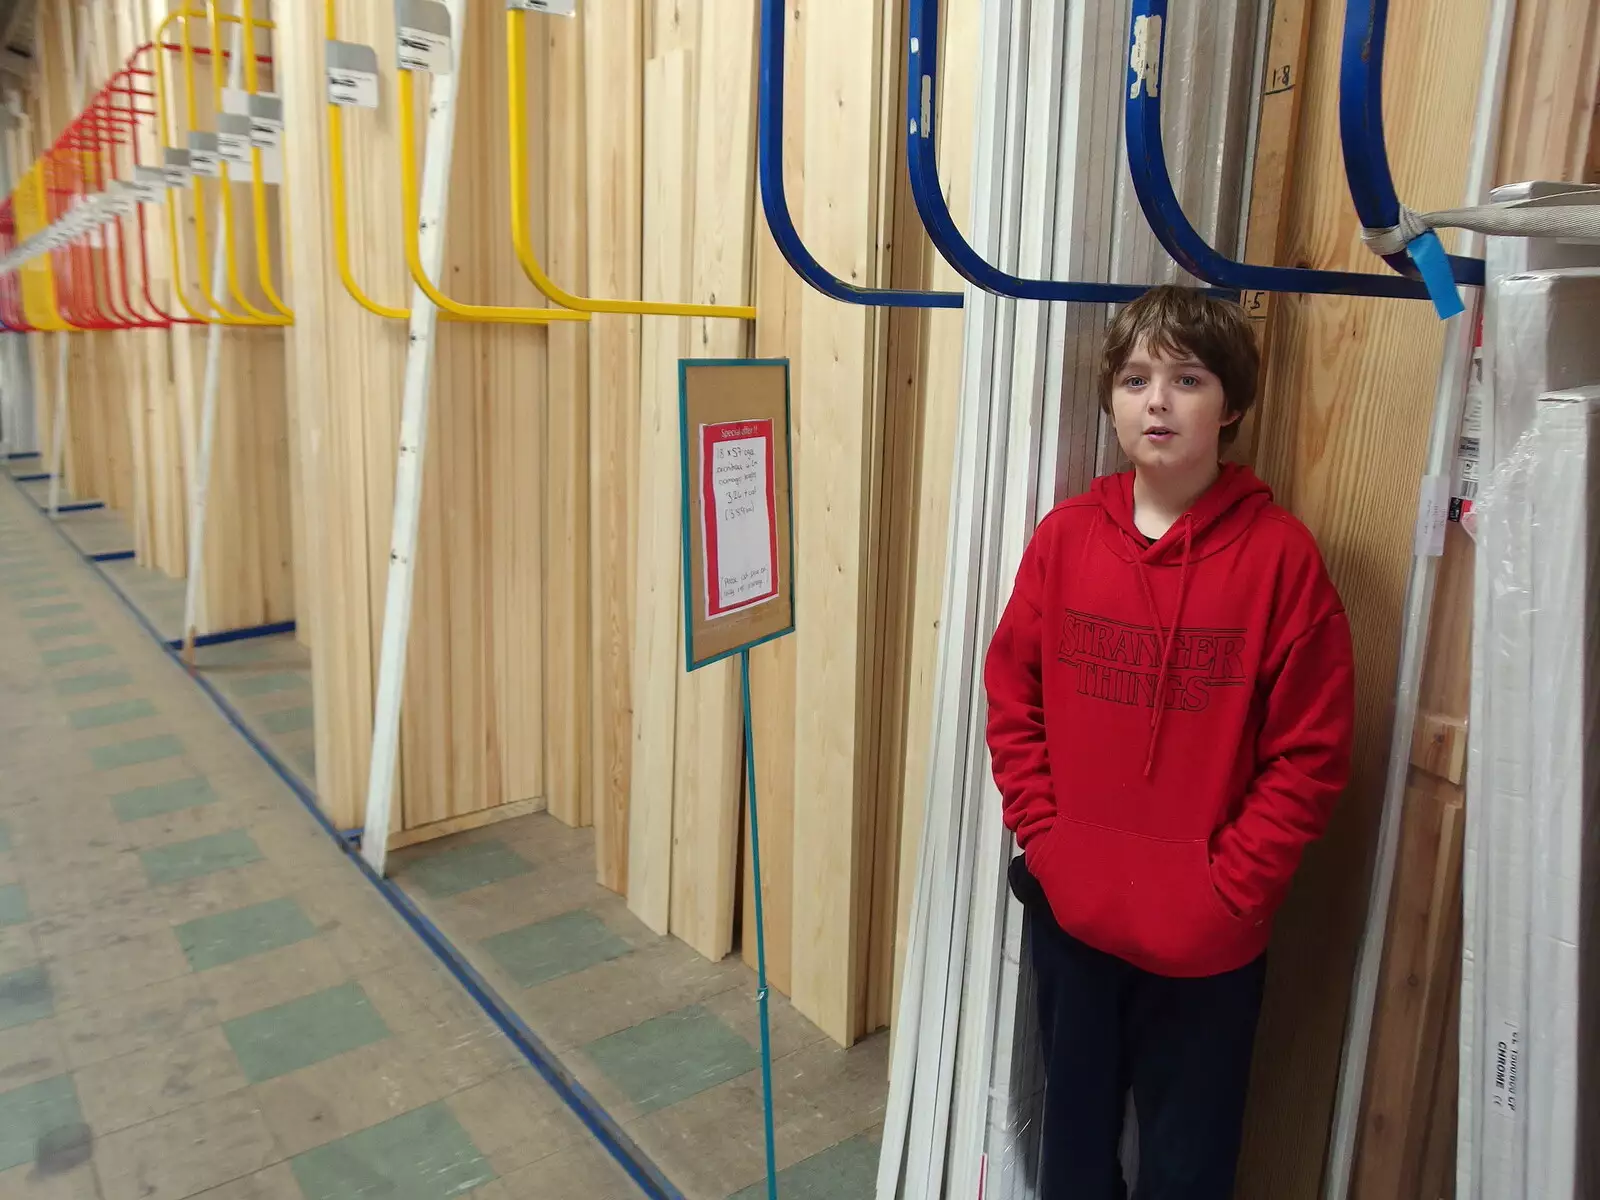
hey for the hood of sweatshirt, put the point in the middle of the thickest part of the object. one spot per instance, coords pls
(1222, 515)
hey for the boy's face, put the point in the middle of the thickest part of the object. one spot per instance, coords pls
(1169, 411)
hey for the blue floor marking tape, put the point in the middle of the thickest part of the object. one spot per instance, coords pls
(629, 1156)
(22, 454)
(225, 636)
(40, 477)
(113, 556)
(78, 506)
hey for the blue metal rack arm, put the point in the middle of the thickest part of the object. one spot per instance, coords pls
(1147, 162)
(775, 201)
(1417, 251)
(922, 161)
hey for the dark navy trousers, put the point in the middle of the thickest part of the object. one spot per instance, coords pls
(1183, 1047)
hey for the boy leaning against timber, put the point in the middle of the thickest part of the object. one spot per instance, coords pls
(1171, 698)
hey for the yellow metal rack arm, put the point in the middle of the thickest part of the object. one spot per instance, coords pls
(413, 242)
(517, 99)
(258, 187)
(227, 249)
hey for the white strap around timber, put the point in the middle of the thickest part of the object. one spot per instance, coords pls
(1544, 217)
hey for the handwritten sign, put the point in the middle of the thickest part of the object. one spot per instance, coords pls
(738, 541)
(738, 503)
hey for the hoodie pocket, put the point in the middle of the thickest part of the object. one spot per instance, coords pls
(1146, 900)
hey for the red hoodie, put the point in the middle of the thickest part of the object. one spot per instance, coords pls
(1167, 834)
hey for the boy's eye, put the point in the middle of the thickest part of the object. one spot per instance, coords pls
(1133, 381)
(1189, 380)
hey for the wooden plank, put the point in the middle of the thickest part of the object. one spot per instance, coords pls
(566, 537)
(941, 367)
(843, 60)
(658, 597)
(1549, 115)
(481, 819)
(708, 763)
(1345, 457)
(613, 111)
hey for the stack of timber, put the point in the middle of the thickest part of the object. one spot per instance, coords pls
(1407, 1134)
(132, 395)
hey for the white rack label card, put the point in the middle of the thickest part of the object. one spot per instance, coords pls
(556, 8)
(738, 519)
(352, 73)
(204, 155)
(739, 511)
(423, 37)
(266, 120)
(149, 184)
(235, 101)
(233, 138)
(177, 167)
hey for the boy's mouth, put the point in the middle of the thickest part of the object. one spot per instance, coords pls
(1159, 433)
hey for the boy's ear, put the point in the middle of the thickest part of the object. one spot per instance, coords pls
(1232, 418)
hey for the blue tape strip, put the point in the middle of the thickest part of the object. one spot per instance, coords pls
(79, 506)
(649, 1177)
(222, 637)
(1429, 254)
(40, 477)
(22, 454)
(114, 556)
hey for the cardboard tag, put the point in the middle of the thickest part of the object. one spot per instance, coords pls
(204, 155)
(352, 74)
(423, 39)
(556, 8)
(266, 120)
(176, 167)
(149, 184)
(233, 138)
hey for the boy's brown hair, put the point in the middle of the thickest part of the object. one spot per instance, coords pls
(1178, 320)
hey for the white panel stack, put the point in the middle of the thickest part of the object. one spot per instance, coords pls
(1532, 702)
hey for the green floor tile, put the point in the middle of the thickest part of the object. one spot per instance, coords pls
(848, 1171)
(38, 611)
(547, 950)
(670, 1058)
(227, 937)
(114, 713)
(79, 685)
(39, 1112)
(262, 685)
(13, 905)
(25, 996)
(135, 751)
(288, 720)
(455, 869)
(60, 656)
(62, 629)
(422, 1155)
(285, 1038)
(137, 803)
(199, 856)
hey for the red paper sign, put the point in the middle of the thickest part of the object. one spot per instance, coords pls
(739, 515)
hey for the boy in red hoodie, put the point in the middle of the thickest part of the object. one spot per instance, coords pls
(1171, 700)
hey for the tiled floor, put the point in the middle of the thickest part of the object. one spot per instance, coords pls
(199, 995)
(665, 1041)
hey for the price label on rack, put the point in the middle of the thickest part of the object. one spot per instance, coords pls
(423, 41)
(266, 120)
(149, 184)
(204, 155)
(176, 167)
(233, 138)
(352, 75)
(556, 8)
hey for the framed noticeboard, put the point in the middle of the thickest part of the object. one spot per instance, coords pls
(738, 516)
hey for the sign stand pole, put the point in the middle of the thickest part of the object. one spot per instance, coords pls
(761, 928)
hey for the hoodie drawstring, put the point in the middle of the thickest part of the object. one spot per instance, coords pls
(1158, 708)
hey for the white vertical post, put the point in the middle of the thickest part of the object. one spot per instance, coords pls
(58, 427)
(205, 437)
(440, 145)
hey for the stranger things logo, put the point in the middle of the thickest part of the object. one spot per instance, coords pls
(1120, 663)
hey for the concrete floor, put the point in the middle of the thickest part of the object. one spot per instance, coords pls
(664, 1040)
